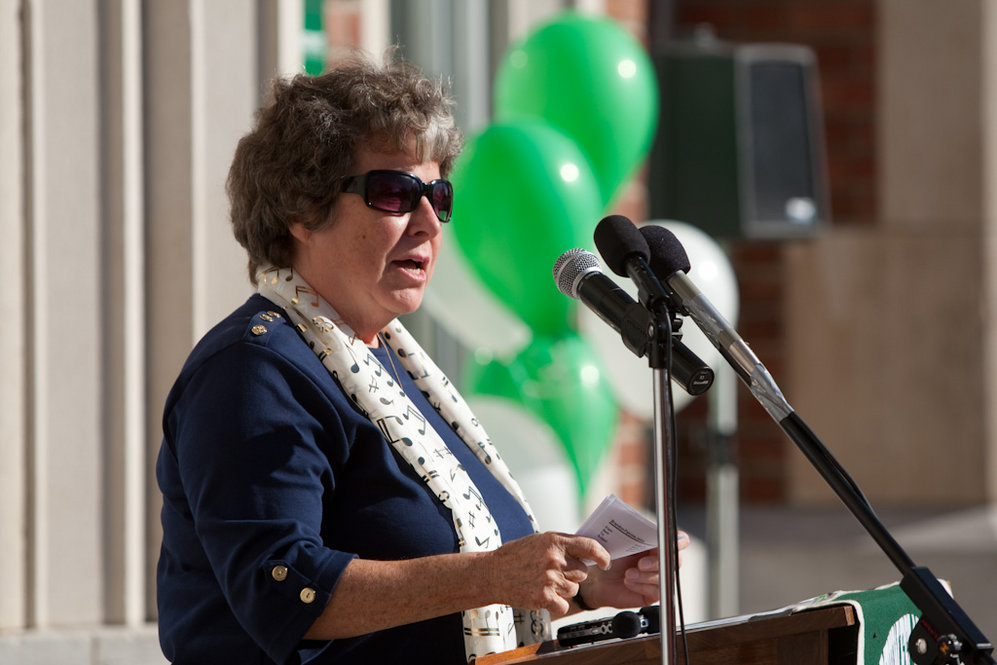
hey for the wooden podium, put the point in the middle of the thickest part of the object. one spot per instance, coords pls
(810, 637)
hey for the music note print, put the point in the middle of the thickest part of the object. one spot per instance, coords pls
(299, 289)
(413, 413)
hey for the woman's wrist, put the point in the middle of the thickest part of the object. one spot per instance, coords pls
(580, 601)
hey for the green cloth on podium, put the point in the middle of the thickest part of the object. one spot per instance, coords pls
(886, 617)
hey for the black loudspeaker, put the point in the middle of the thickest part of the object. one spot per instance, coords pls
(739, 150)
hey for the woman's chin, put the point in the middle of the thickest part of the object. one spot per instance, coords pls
(407, 301)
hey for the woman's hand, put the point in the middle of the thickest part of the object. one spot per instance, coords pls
(631, 581)
(543, 571)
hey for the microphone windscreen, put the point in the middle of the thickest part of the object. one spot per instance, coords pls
(626, 624)
(617, 239)
(570, 267)
(652, 613)
(667, 254)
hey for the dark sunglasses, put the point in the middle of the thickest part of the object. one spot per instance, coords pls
(398, 192)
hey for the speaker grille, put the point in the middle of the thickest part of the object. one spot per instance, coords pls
(739, 150)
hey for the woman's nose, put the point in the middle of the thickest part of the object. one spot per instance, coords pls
(424, 218)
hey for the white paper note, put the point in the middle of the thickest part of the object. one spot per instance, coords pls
(620, 528)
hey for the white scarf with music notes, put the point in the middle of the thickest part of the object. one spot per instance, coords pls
(365, 380)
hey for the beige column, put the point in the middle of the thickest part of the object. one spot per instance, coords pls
(64, 318)
(168, 215)
(122, 240)
(13, 424)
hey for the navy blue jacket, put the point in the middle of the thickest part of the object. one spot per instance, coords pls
(272, 483)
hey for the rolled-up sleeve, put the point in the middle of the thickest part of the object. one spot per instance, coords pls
(251, 445)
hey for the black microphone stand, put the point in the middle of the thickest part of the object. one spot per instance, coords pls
(944, 635)
(650, 333)
(659, 355)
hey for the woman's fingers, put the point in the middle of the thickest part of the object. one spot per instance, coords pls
(543, 571)
(588, 550)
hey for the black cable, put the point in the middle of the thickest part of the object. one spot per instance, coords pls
(673, 498)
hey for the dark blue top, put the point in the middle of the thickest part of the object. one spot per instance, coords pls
(272, 483)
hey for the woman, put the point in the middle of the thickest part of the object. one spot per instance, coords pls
(328, 497)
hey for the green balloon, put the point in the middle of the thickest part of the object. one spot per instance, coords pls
(524, 194)
(559, 382)
(589, 77)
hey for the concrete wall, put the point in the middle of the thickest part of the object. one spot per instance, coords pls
(890, 328)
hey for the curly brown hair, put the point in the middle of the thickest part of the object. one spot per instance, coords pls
(292, 165)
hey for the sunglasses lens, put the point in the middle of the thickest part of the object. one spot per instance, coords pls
(393, 192)
(442, 199)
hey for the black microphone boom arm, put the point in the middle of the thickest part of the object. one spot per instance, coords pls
(944, 634)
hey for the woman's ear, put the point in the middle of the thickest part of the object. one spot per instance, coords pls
(300, 232)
